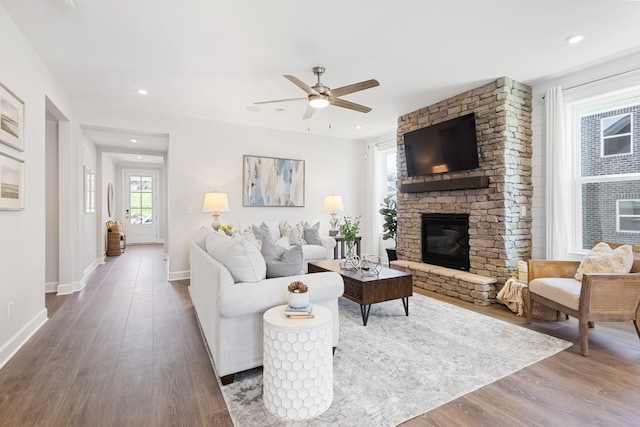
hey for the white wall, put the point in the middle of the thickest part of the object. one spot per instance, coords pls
(206, 155)
(586, 76)
(22, 254)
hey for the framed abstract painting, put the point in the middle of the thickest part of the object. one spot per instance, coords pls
(273, 182)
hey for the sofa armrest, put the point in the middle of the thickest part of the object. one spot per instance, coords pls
(328, 243)
(244, 299)
(538, 268)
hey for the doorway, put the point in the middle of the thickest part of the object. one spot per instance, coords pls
(140, 191)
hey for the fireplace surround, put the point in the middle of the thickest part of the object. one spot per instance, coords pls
(496, 196)
(445, 240)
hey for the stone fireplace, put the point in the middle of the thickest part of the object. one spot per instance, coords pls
(496, 196)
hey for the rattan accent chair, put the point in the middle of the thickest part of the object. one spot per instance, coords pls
(600, 297)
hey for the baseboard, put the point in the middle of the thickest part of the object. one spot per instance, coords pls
(65, 289)
(179, 275)
(22, 336)
(50, 287)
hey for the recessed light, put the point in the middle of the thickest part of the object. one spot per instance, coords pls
(133, 140)
(142, 92)
(138, 157)
(576, 38)
(280, 110)
(358, 127)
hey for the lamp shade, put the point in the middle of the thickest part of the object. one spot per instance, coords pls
(333, 203)
(215, 202)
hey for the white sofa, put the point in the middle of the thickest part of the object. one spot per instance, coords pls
(230, 312)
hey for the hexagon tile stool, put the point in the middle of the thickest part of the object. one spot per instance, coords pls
(297, 364)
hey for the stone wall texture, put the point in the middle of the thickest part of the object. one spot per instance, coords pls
(500, 215)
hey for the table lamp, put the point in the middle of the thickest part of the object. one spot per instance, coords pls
(333, 204)
(215, 202)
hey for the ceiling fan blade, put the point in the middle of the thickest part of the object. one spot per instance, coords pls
(350, 105)
(302, 85)
(309, 112)
(344, 90)
(281, 100)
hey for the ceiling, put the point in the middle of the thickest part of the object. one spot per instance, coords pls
(213, 59)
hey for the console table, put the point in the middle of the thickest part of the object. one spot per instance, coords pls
(338, 254)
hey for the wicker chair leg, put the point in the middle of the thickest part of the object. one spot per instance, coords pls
(635, 323)
(583, 329)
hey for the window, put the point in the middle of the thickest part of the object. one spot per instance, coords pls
(606, 144)
(616, 135)
(390, 188)
(628, 215)
(141, 199)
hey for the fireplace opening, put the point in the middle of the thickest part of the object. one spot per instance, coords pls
(445, 240)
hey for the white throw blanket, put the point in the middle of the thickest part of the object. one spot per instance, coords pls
(511, 296)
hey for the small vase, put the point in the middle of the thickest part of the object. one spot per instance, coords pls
(298, 300)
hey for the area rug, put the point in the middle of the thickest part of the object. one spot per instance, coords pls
(399, 367)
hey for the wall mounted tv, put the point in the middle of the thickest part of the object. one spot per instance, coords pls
(444, 147)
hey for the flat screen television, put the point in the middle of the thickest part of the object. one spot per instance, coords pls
(444, 147)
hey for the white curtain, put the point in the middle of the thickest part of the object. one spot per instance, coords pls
(559, 177)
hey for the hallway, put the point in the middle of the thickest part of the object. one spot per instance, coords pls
(126, 351)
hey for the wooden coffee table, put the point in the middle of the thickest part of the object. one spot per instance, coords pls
(366, 290)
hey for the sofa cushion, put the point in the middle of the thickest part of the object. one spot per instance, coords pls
(312, 233)
(603, 259)
(281, 261)
(565, 291)
(241, 257)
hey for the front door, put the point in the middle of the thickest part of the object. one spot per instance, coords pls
(140, 206)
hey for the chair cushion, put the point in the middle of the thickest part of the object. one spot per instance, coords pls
(603, 259)
(565, 291)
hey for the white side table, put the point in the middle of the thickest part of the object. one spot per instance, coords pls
(297, 363)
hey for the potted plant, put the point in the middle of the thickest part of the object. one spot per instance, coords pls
(348, 229)
(389, 214)
(298, 294)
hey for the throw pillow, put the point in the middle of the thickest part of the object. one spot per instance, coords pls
(312, 233)
(282, 262)
(272, 252)
(262, 232)
(603, 259)
(240, 257)
(201, 237)
(295, 233)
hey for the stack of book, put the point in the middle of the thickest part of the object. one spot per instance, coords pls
(299, 312)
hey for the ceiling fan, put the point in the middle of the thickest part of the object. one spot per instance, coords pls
(321, 96)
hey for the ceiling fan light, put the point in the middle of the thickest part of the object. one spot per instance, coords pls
(318, 101)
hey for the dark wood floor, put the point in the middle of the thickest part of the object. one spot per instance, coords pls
(126, 351)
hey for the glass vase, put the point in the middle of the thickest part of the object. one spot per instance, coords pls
(351, 260)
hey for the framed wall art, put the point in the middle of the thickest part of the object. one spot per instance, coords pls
(11, 119)
(273, 182)
(11, 183)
